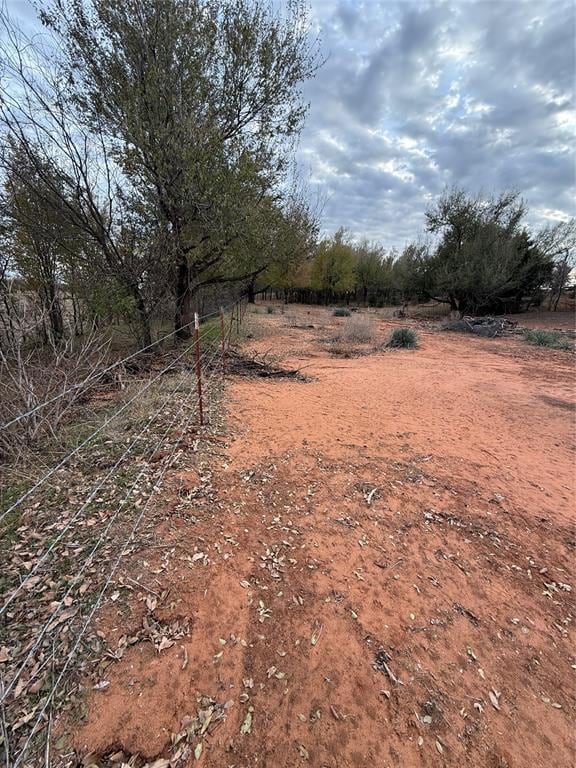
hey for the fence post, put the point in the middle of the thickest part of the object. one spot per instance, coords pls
(198, 366)
(223, 341)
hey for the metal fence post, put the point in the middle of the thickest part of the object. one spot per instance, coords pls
(198, 366)
(223, 341)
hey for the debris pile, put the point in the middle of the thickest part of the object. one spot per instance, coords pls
(482, 326)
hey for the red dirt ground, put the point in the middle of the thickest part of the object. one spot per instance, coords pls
(389, 551)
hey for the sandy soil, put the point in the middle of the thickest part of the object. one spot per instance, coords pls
(383, 571)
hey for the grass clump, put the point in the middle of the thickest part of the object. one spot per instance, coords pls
(269, 310)
(341, 312)
(358, 330)
(550, 339)
(403, 338)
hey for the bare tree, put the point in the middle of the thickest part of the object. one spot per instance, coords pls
(69, 170)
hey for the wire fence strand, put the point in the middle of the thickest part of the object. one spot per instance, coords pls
(104, 371)
(97, 431)
(211, 374)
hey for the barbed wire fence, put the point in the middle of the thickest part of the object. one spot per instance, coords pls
(45, 617)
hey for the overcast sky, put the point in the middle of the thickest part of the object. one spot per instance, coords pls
(418, 95)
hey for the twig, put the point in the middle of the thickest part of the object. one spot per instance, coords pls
(143, 586)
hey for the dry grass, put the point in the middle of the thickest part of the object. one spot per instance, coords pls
(358, 329)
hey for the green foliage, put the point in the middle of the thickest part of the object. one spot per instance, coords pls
(341, 312)
(269, 310)
(551, 339)
(333, 267)
(486, 260)
(404, 338)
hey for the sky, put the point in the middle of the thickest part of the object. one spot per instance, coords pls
(417, 95)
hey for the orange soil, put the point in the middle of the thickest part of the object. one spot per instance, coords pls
(444, 567)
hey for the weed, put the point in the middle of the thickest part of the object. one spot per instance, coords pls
(550, 339)
(269, 310)
(404, 338)
(341, 312)
(358, 330)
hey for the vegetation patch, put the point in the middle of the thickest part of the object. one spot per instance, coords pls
(403, 338)
(341, 312)
(550, 339)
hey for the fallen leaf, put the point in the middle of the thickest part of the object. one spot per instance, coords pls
(493, 696)
(198, 751)
(303, 751)
(316, 633)
(246, 726)
(151, 602)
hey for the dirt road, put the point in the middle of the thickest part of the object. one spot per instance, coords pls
(375, 566)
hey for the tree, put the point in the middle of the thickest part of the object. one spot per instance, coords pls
(558, 242)
(79, 178)
(202, 101)
(292, 245)
(39, 235)
(485, 260)
(369, 270)
(333, 267)
(410, 272)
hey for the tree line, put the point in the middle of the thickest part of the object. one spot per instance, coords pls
(478, 256)
(147, 167)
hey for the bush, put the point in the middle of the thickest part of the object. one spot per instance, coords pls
(341, 312)
(551, 339)
(404, 338)
(357, 330)
(269, 310)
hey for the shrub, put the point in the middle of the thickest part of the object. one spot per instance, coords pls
(341, 312)
(357, 330)
(269, 310)
(405, 338)
(551, 339)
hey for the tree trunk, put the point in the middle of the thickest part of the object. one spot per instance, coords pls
(143, 321)
(77, 317)
(54, 311)
(184, 310)
(251, 291)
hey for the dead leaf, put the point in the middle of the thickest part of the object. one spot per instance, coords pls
(151, 602)
(4, 655)
(439, 747)
(246, 726)
(303, 751)
(198, 751)
(318, 627)
(164, 643)
(494, 699)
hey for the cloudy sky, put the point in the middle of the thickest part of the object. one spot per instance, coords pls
(419, 94)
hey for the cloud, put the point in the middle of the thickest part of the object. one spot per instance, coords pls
(419, 95)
